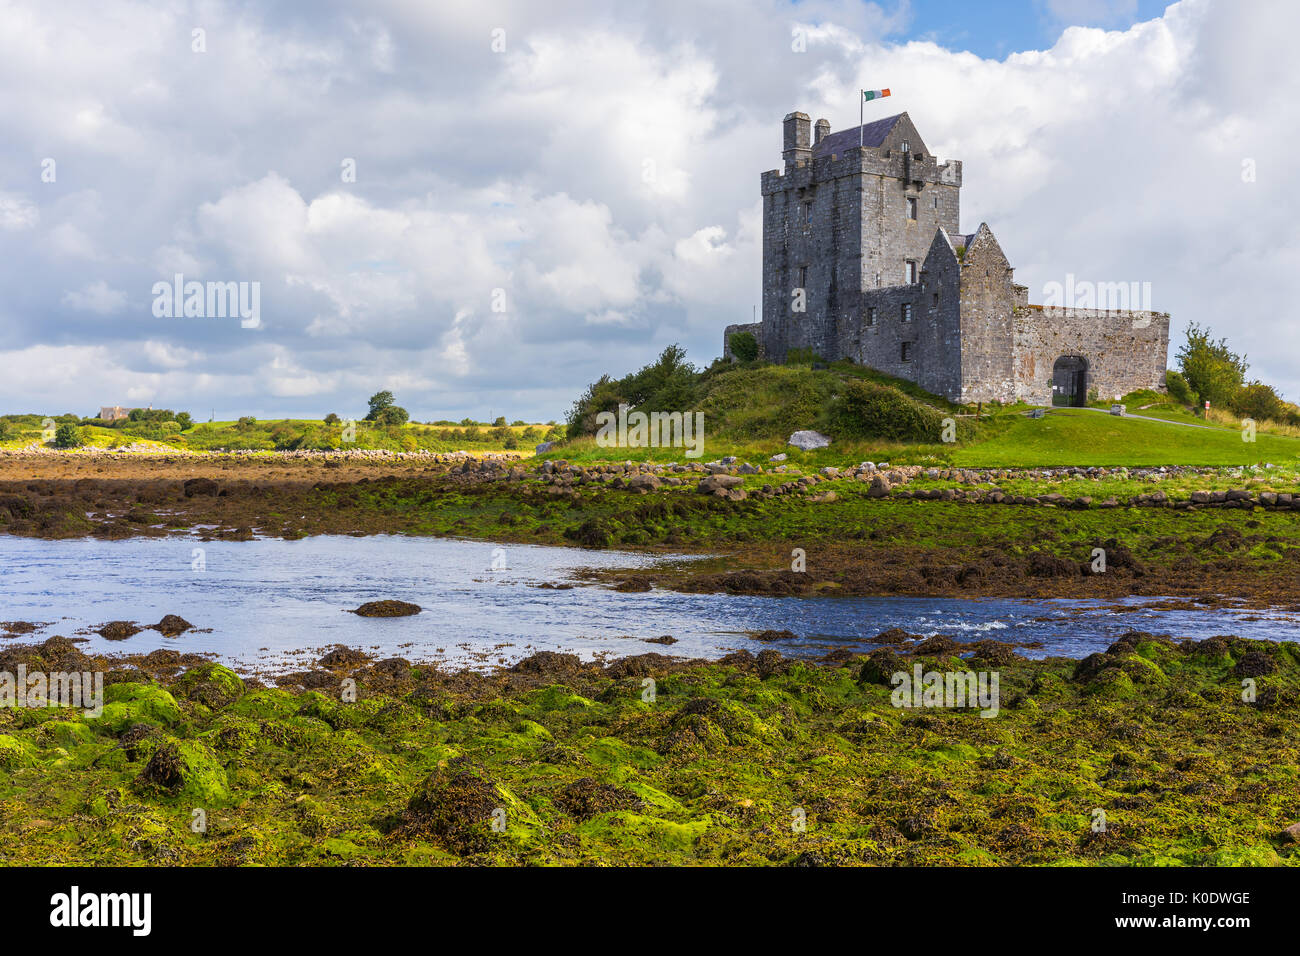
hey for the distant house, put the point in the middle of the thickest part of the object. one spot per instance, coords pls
(113, 413)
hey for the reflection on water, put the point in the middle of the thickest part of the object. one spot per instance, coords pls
(271, 602)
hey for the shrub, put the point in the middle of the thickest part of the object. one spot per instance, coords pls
(744, 346)
(331, 419)
(67, 435)
(1178, 388)
(867, 410)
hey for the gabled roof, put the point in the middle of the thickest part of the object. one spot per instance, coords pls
(873, 134)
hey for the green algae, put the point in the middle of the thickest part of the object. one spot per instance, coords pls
(810, 764)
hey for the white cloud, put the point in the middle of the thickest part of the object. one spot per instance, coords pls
(602, 173)
(17, 212)
(98, 297)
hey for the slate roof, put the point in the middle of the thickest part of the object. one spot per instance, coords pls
(873, 134)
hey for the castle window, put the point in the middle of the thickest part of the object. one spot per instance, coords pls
(936, 202)
(909, 272)
(934, 301)
(907, 312)
(911, 207)
(907, 352)
(803, 277)
(807, 216)
(871, 315)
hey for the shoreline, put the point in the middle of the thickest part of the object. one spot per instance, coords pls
(605, 763)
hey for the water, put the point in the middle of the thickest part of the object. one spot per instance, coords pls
(272, 604)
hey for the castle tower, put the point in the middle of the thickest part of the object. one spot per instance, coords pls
(850, 211)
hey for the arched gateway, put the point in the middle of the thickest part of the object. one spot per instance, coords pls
(1070, 381)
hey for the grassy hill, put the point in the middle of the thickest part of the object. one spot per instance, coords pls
(751, 410)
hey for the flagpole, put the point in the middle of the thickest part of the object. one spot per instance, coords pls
(862, 98)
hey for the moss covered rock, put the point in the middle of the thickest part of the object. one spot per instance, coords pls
(211, 685)
(186, 769)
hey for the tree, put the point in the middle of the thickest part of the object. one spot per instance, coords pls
(1212, 370)
(331, 419)
(183, 419)
(67, 435)
(392, 415)
(378, 402)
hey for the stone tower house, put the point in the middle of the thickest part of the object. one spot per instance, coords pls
(864, 259)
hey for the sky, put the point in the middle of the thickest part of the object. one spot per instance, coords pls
(484, 206)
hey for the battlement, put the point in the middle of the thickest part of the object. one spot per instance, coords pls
(863, 161)
(863, 258)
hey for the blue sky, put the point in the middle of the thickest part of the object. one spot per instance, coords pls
(995, 28)
(547, 192)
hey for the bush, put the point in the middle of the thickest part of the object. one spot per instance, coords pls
(67, 435)
(867, 410)
(744, 346)
(1260, 402)
(1212, 370)
(331, 419)
(1178, 388)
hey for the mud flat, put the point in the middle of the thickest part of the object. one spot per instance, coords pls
(1204, 534)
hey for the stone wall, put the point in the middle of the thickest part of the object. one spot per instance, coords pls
(987, 297)
(754, 328)
(839, 224)
(1125, 351)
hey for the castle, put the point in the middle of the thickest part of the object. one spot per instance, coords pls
(864, 259)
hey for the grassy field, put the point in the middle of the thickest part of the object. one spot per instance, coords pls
(1083, 437)
(292, 434)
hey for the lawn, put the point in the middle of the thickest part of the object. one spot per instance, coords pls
(1078, 437)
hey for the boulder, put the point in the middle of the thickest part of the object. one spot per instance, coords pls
(719, 483)
(880, 487)
(808, 440)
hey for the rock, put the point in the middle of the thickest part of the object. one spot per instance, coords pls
(643, 483)
(172, 625)
(715, 483)
(1291, 833)
(830, 472)
(200, 486)
(211, 685)
(544, 447)
(186, 768)
(880, 487)
(342, 656)
(119, 630)
(386, 609)
(748, 469)
(808, 440)
(781, 457)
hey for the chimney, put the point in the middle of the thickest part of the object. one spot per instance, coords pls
(797, 148)
(822, 130)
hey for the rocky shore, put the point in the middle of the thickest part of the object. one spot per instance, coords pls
(1154, 753)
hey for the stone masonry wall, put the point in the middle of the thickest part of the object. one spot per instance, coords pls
(1125, 351)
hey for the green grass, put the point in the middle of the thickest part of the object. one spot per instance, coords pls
(1078, 437)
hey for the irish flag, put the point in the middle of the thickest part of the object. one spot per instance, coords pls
(873, 94)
